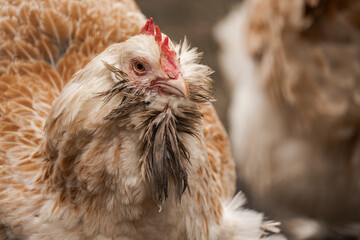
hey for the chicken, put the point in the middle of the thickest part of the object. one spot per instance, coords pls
(294, 70)
(129, 147)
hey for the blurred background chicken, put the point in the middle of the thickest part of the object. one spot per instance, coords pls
(294, 70)
(107, 131)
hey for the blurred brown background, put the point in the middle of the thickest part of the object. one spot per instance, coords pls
(195, 20)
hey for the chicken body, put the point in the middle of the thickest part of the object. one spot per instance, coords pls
(295, 111)
(130, 148)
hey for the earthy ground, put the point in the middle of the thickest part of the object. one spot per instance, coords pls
(196, 20)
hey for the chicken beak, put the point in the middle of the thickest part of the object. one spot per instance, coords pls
(176, 86)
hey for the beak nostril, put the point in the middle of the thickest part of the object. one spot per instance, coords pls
(171, 75)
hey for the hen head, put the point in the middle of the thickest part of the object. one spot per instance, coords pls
(143, 93)
(149, 65)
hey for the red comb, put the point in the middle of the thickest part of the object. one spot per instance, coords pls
(168, 58)
(168, 61)
(148, 28)
(158, 36)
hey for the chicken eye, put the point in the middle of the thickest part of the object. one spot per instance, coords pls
(139, 68)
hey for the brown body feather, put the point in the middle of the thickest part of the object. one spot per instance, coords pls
(64, 183)
(85, 156)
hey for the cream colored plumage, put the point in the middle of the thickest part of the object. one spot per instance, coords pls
(80, 153)
(294, 70)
